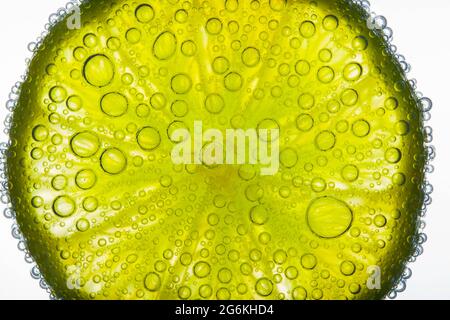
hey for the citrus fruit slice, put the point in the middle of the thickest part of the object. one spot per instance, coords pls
(107, 211)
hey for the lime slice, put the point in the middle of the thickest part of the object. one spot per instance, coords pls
(108, 213)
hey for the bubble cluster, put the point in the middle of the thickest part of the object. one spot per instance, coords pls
(94, 185)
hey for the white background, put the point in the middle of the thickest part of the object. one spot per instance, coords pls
(421, 33)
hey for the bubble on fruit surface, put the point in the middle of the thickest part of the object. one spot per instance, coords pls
(299, 293)
(251, 57)
(330, 23)
(391, 103)
(264, 287)
(202, 269)
(233, 81)
(352, 71)
(148, 138)
(221, 65)
(74, 103)
(308, 261)
(305, 122)
(40, 133)
(113, 161)
(306, 101)
(360, 43)
(181, 83)
(325, 140)
(361, 128)
(214, 103)
(144, 13)
(85, 144)
(302, 67)
(325, 74)
(259, 215)
(58, 94)
(288, 158)
(99, 70)
(350, 173)
(329, 217)
(90, 204)
(92, 136)
(158, 101)
(86, 179)
(152, 281)
(347, 268)
(64, 206)
(214, 26)
(180, 108)
(349, 97)
(189, 48)
(165, 46)
(114, 104)
(307, 29)
(83, 225)
(393, 155)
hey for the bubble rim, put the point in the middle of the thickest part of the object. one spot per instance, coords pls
(378, 24)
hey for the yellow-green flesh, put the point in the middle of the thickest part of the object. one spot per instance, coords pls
(106, 213)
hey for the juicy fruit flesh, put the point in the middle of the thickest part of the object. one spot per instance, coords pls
(106, 213)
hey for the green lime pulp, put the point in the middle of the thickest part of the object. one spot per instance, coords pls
(108, 215)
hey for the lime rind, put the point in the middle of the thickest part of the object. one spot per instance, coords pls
(378, 25)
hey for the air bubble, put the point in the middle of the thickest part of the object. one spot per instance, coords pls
(393, 155)
(165, 46)
(64, 206)
(325, 75)
(114, 104)
(58, 94)
(306, 101)
(330, 23)
(302, 67)
(251, 57)
(189, 48)
(179, 108)
(85, 179)
(144, 13)
(264, 287)
(214, 103)
(347, 268)
(152, 282)
(360, 43)
(202, 269)
(220, 65)
(85, 144)
(98, 70)
(308, 261)
(307, 29)
(181, 83)
(148, 138)
(349, 97)
(214, 26)
(304, 122)
(361, 128)
(74, 103)
(352, 71)
(233, 81)
(40, 133)
(325, 140)
(328, 217)
(259, 215)
(113, 161)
